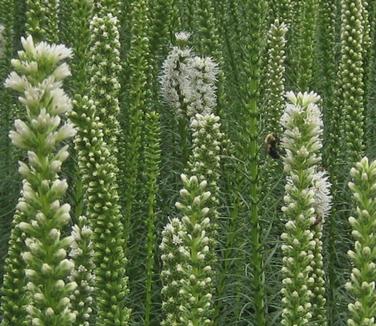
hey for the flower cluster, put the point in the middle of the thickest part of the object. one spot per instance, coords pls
(97, 131)
(188, 81)
(348, 115)
(173, 76)
(322, 205)
(97, 170)
(103, 8)
(104, 73)
(323, 198)
(82, 254)
(274, 101)
(363, 257)
(205, 158)
(38, 76)
(187, 276)
(302, 143)
(200, 89)
(173, 255)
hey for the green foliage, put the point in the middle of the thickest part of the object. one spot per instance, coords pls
(362, 310)
(162, 87)
(134, 105)
(7, 165)
(302, 57)
(254, 21)
(152, 165)
(76, 29)
(42, 20)
(327, 50)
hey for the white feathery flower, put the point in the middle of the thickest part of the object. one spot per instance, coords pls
(302, 98)
(176, 240)
(86, 231)
(182, 36)
(62, 154)
(16, 82)
(53, 53)
(289, 112)
(32, 96)
(314, 115)
(28, 45)
(29, 67)
(301, 109)
(17, 139)
(62, 72)
(65, 132)
(290, 95)
(49, 84)
(323, 199)
(44, 120)
(59, 186)
(76, 233)
(61, 103)
(173, 78)
(309, 98)
(22, 129)
(200, 88)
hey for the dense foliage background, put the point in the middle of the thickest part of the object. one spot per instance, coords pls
(161, 88)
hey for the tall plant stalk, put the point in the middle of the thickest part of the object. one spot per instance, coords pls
(42, 134)
(253, 37)
(301, 141)
(362, 309)
(95, 144)
(152, 165)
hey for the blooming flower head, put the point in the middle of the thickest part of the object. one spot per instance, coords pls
(323, 198)
(173, 77)
(40, 60)
(200, 88)
(299, 103)
(182, 36)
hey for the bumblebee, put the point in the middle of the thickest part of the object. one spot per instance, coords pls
(317, 221)
(272, 146)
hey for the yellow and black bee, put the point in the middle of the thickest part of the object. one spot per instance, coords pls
(318, 221)
(272, 146)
